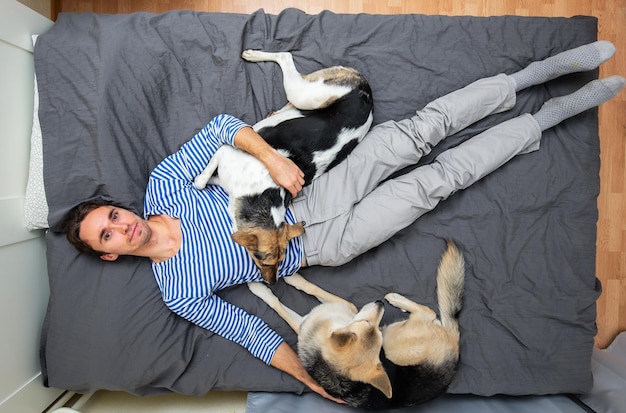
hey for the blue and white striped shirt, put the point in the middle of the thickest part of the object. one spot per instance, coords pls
(208, 260)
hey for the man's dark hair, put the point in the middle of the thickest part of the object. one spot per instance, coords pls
(75, 218)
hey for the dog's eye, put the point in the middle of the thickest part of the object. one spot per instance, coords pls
(259, 256)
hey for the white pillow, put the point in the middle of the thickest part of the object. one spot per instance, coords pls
(35, 203)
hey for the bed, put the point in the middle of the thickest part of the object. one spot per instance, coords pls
(118, 93)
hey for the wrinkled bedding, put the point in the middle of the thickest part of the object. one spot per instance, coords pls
(118, 93)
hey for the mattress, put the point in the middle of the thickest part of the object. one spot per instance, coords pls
(118, 93)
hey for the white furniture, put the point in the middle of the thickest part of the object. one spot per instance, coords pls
(23, 276)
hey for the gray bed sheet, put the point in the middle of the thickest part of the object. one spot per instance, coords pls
(118, 93)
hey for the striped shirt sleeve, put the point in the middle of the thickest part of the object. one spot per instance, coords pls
(196, 153)
(230, 322)
(221, 130)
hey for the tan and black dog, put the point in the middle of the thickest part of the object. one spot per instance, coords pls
(340, 347)
(328, 113)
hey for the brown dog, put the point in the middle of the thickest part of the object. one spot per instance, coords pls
(340, 347)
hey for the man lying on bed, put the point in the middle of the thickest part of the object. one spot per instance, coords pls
(186, 232)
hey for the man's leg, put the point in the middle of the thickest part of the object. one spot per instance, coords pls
(397, 203)
(391, 146)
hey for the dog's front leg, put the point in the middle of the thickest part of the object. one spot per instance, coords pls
(264, 293)
(299, 282)
(204, 177)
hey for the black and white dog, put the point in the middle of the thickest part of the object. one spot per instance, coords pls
(328, 113)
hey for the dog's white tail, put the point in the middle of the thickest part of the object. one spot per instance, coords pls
(450, 284)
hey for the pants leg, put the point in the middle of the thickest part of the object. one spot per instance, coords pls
(391, 146)
(397, 203)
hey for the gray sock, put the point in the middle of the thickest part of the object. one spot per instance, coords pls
(591, 95)
(580, 59)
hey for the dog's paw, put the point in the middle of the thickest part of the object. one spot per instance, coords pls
(200, 182)
(251, 55)
(260, 290)
(397, 300)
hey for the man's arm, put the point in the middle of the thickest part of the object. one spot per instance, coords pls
(261, 344)
(287, 360)
(282, 170)
(225, 129)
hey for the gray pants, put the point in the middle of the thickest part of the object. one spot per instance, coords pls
(347, 211)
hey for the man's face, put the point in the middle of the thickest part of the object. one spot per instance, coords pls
(114, 230)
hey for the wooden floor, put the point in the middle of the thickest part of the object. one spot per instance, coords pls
(611, 242)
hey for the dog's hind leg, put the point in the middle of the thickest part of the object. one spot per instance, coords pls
(412, 307)
(264, 293)
(307, 92)
(299, 282)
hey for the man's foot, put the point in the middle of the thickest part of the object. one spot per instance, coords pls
(580, 59)
(591, 95)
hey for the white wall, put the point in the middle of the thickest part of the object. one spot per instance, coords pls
(23, 276)
(43, 7)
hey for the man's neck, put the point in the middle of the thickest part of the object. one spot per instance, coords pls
(166, 235)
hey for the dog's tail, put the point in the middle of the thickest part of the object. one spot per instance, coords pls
(450, 284)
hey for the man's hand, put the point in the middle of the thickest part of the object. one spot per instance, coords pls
(286, 174)
(282, 170)
(287, 360)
